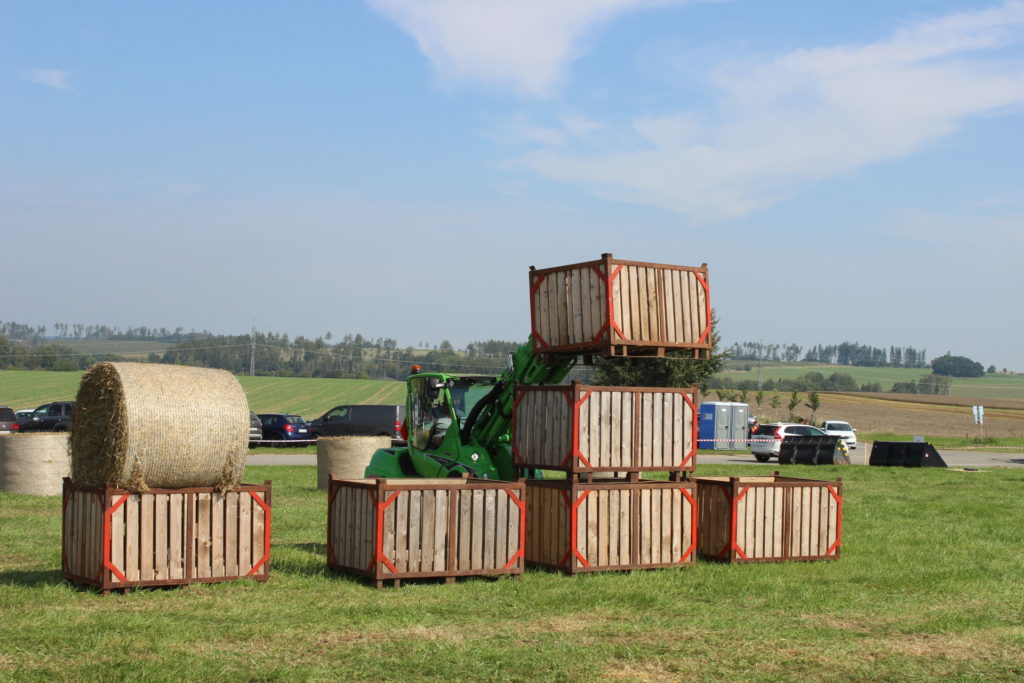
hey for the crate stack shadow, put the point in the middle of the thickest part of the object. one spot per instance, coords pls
(155, 495)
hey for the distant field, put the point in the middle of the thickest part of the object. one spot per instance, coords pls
(304, 396)
(930, 416)
(989, 386)
(121, 348)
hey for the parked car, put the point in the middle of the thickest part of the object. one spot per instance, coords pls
(842, 430)
(255, 429)
(283, 429)
(360, 420)
(766, 440)
(50, 417)
(23, 415)
(8, 421)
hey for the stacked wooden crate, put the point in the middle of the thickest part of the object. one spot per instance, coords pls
(768, 519)
(620, 308)
(149, 506)
(393, 529)
(603, 516)
(114, 539)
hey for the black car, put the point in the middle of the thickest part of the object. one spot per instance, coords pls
(360, 420)
(283, 429)
(50, 417)
(255, 429)
(8, 421)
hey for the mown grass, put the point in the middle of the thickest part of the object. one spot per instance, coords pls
(928, 587)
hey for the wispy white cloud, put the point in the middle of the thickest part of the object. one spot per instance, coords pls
(51, 78)
(783, 123)
(523, 44)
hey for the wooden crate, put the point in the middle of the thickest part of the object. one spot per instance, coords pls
(114, 539)
(769, 519)
(620, 308)
(610, 524)
(394, 529)
(576, 428)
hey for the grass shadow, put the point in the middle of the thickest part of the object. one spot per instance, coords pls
(299, 563)
(32, 579)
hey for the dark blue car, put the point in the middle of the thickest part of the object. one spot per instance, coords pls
(283, 429)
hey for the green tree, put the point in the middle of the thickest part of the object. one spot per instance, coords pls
(814, 403)
(957, 366)
(794, 401)
(676, 369)
(775, 401)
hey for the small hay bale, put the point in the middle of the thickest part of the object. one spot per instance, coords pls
(34, 463)
(143, 425)
(346, 457)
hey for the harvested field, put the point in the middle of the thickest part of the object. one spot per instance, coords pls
(928, 416)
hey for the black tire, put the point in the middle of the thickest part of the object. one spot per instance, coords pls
(762, 458)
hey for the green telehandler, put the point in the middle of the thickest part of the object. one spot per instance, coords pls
(460, 424)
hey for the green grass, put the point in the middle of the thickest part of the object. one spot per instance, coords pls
(1016, 443)
(928, 587)
(26, 389)
(989, 386)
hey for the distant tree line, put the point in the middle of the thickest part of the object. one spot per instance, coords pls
(847, 353)
(34, 335)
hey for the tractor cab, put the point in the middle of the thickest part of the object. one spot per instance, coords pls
(440, 416)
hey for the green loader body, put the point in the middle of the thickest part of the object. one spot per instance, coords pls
(460, 424)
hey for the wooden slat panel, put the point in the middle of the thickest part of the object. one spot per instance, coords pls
(131, 551)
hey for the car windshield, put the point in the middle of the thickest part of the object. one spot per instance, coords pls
(294, 419)
(814, 431)
(765, 429)
(840, 426)
(7, 415)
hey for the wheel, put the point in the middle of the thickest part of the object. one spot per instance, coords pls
(762, 458)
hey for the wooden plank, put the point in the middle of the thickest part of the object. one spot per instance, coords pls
(575, 300)
(465, 499)
(131, 552)
(654, 327)
(477, 531)
(161, 539)
(217, 534)
(176, 536)
(442, 531)
(402, 504)
(415, 530)
(231, 533)
(245, 525)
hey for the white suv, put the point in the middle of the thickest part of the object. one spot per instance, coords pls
(766, 440)
(842, 430)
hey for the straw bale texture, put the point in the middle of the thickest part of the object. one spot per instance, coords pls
(34, 463)
(142, 425)
(346, 457)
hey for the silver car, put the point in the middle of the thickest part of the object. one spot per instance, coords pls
(766, 440)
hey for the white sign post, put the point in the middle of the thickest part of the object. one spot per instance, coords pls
(979, 419)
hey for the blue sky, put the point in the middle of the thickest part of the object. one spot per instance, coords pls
(849, 171)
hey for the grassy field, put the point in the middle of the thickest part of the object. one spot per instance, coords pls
(928, 587)
(990, 386)
(307, 397)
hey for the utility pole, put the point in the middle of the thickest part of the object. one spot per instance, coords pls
(252, 350)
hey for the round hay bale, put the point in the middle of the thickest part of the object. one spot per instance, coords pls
(147, 425)
(34, 463)
(346, 457)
